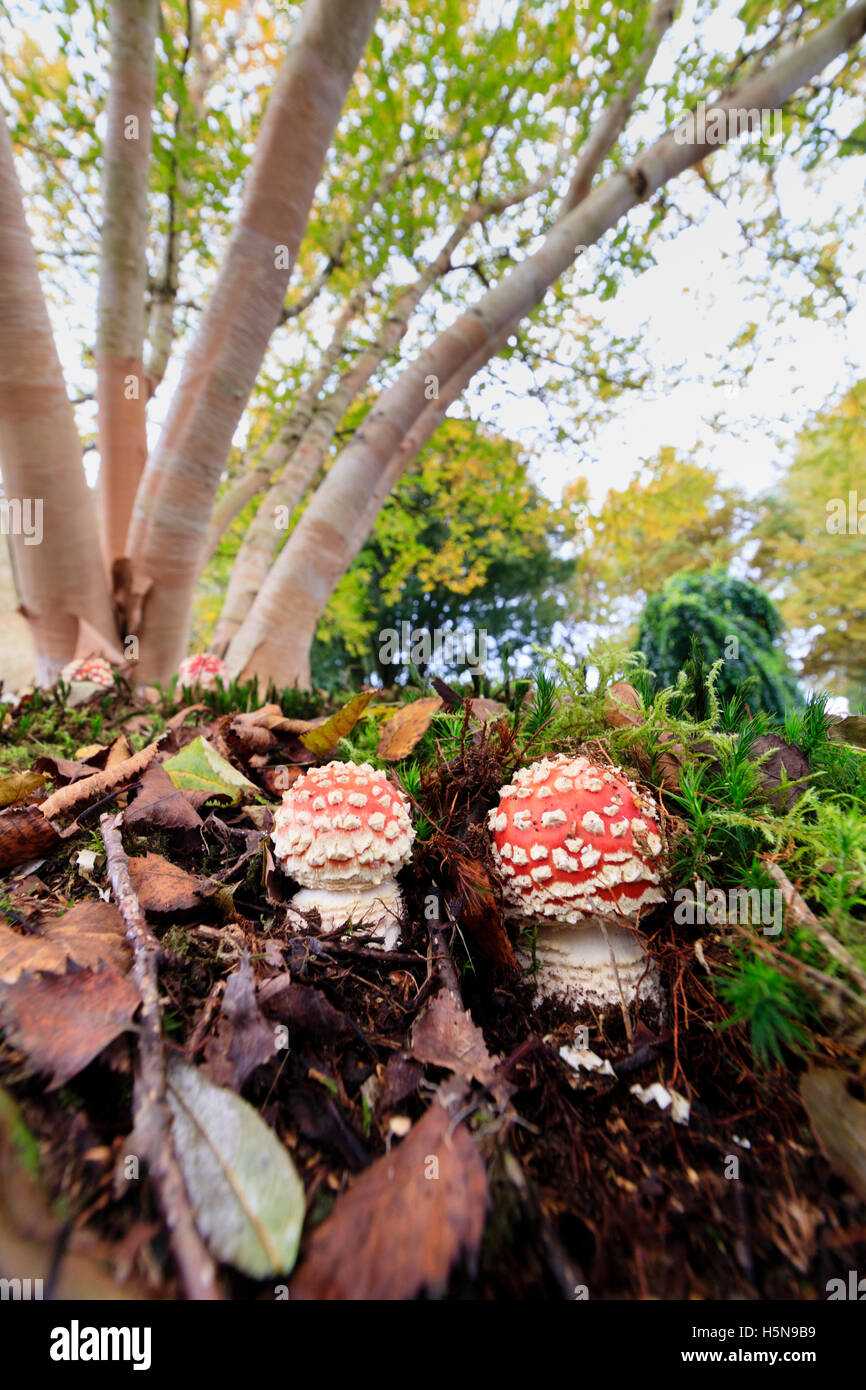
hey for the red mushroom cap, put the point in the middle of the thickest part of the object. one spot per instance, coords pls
(202, 669)
(571, 838)
(342, 824)
(93, 668)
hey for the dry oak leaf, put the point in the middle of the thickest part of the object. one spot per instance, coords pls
(471, 902)
(163, 888)
(89, 788)
(24, 834)
(622, 706)
(61, 1022)
(404, 1223)
(404, 729)
(90, 934)
(244, 1039)
(271, 717)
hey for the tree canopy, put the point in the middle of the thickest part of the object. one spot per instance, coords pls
(735, 622)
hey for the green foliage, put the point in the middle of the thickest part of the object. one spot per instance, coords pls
(239, 697)
(466, 541)
(774, 1008)
(812, 551)
(674, 516)
(737, 624)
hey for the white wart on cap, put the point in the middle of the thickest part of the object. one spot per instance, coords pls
(343, 831)
(573, 839)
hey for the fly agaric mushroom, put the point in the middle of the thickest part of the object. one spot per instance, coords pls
(343, 832)
(202, 670)
(93, 669)
(573, 840)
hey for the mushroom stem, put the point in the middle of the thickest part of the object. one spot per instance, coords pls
(378, 909)
(582, 965)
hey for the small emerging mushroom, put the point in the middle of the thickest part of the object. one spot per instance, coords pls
(95, 670)
(571, 840)
(343, 831)
(202, 670)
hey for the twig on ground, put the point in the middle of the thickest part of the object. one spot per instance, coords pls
(152, 1124)
(439, 957)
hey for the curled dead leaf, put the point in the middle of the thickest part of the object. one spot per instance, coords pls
(403, 1223)
(405, 728)
(62, 1022)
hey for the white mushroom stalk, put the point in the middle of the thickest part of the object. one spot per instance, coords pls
(577, 844)
(343, 832)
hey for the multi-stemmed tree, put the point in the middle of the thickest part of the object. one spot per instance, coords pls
(451, 172)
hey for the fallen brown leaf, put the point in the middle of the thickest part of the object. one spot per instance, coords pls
(91, 934)
(160, 805)
(404, 1223)
(89, 788)
(164, 889)
(471, 902)
(404, 729)
(62, 771)
(303, 1009)
(445, 1036)
(61, 1022)
(483, 708)
(19, 785)
(244, 1039)
(622, 706)
(24, 834)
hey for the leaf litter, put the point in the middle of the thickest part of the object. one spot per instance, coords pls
(398, 1124)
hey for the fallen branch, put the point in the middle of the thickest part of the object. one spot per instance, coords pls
(152, 1122)
(805, 917)
(100, 783)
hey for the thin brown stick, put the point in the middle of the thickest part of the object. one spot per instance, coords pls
(439, 958)
(152, 1116)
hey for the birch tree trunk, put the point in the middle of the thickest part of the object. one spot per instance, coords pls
(60, 580)
(121, 388)
(274, 641)
(280, 450)
(262, 541)
(169, 529)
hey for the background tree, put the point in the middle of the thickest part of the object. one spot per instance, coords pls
(466, 541)
(812, 546)
(675, 516)
(734, 621)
